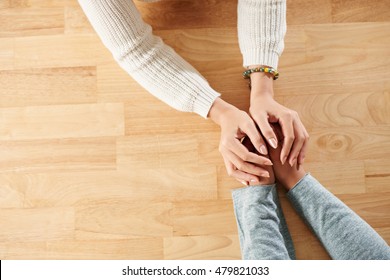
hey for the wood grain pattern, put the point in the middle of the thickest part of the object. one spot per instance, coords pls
(30, 21)
(94, 167)
(377, 173)
(61, 121)
(218, 247)
(58, 155)
(42, 224)
(137, 249)
(48, 86)
(349, 143)
(129, 217)
(360, 10)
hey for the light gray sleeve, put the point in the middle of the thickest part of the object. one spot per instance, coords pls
(262, 229)
(343, 233)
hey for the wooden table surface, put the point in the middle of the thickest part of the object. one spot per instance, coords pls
(93, 167)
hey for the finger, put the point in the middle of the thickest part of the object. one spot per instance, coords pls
(298, 143)
(242, 177)
(246, 166)
(266, 129)
(254, 135)
(302, 154)
(242, 152)
(286, 124)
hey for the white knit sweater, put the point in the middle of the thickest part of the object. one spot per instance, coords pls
(165, 74)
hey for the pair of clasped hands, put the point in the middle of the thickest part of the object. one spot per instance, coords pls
(246, 166)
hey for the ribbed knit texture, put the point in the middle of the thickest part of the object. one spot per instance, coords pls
(160, 70)
(261, 31)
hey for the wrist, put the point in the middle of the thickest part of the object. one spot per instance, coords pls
(262, 85)
(219, 109)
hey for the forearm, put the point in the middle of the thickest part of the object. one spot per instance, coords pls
(261, 28)
(153, 64)
(261, 225)
(342, 232)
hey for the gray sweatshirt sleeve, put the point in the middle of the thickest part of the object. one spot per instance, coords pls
(342, 232)
(262, 229)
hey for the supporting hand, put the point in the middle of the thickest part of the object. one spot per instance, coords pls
(235, 124)
(265, 110)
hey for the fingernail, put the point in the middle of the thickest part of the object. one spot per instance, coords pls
(253, 181)
(265, 174)
(284, 160)
(244, 183)
(263, 150)
(292, 162)
(273, 143)
(268, 163)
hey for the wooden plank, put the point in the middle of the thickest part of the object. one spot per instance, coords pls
(155, 151)
(374, 208)
(115, 85)
(338, 58)
(59, 51)
(137, 249)
(341, 110)
(36, 224)
(349, 143)
(360, 11)
(217, 247)
(124, 217)
(31, 21)
(57, 155)
(63, 189)
(306, 12)
(148, 117)
(215, 217)
(7, 53)
(179, 14)
(61, 121)
(377, 173)
(75, 20)
(347, 39)
(48, 86)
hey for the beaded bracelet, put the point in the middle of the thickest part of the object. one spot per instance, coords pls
(246, 74)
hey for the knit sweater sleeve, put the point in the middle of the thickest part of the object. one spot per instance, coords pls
(261, 26)
(146, 58)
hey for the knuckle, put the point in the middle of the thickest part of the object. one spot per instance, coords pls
(239, 165)
(246, 157)
(289, 138)
(224, 143)
(301, 138)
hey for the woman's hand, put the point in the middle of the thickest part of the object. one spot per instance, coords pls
(265, 110)
(235, 124)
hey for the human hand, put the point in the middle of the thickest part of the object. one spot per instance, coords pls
(262, 180)
(265, 110)
(235, 124)
(285, 174)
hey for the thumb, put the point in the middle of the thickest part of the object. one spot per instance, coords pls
(266, 130)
